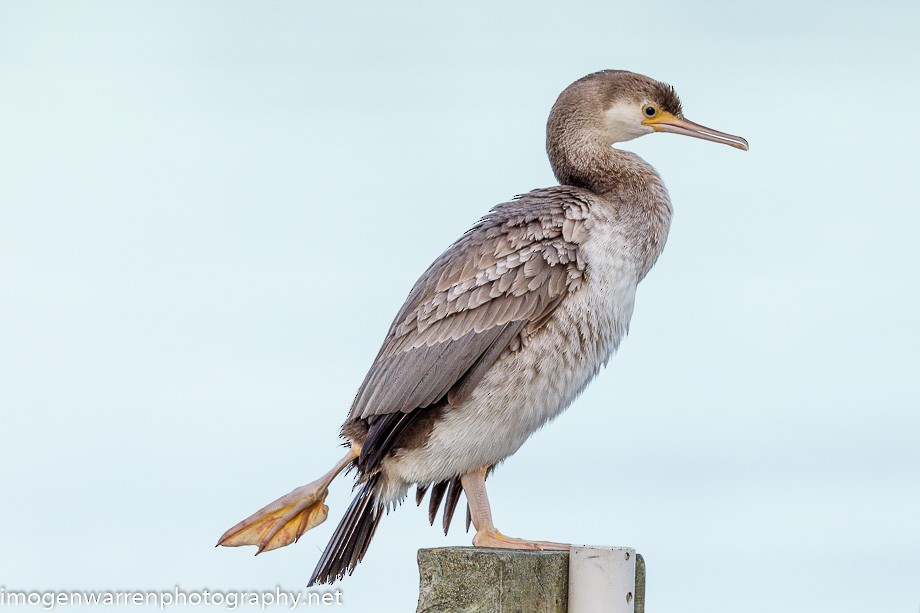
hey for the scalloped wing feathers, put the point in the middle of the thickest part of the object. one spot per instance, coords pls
(502, 279)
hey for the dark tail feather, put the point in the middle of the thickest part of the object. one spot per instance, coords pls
(434, 503)
(450, 505)
(452, 488)
(348, 545)
(420, 494)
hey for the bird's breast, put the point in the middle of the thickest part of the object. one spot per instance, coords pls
(531, 385)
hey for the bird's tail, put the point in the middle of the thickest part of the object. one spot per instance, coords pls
(349, 543)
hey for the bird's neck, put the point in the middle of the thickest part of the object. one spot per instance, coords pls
(595, 166)
(638, 197)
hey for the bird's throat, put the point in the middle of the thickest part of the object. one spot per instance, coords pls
(594, 166)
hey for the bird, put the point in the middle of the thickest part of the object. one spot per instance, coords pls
(502, 331)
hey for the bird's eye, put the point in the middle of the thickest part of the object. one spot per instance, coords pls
(650, 111)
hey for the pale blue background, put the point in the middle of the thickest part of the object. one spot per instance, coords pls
(210, 212)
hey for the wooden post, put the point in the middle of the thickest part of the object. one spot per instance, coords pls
(479, 580)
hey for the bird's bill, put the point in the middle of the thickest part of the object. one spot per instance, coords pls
(666, 122)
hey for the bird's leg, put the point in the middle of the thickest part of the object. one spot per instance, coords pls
(474, 484)
(283, 522)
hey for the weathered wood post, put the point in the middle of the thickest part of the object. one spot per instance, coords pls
(479, 580)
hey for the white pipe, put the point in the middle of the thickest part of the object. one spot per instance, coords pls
(602, 579)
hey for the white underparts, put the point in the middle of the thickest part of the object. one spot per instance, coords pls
(527, 388)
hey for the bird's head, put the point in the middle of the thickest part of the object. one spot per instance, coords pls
(613, 106)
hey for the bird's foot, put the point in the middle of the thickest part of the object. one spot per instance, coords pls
(494, 538)
(283, 521)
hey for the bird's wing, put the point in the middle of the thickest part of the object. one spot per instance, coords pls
(510, 271)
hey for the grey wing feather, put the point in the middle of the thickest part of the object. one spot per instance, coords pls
(510, 271)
